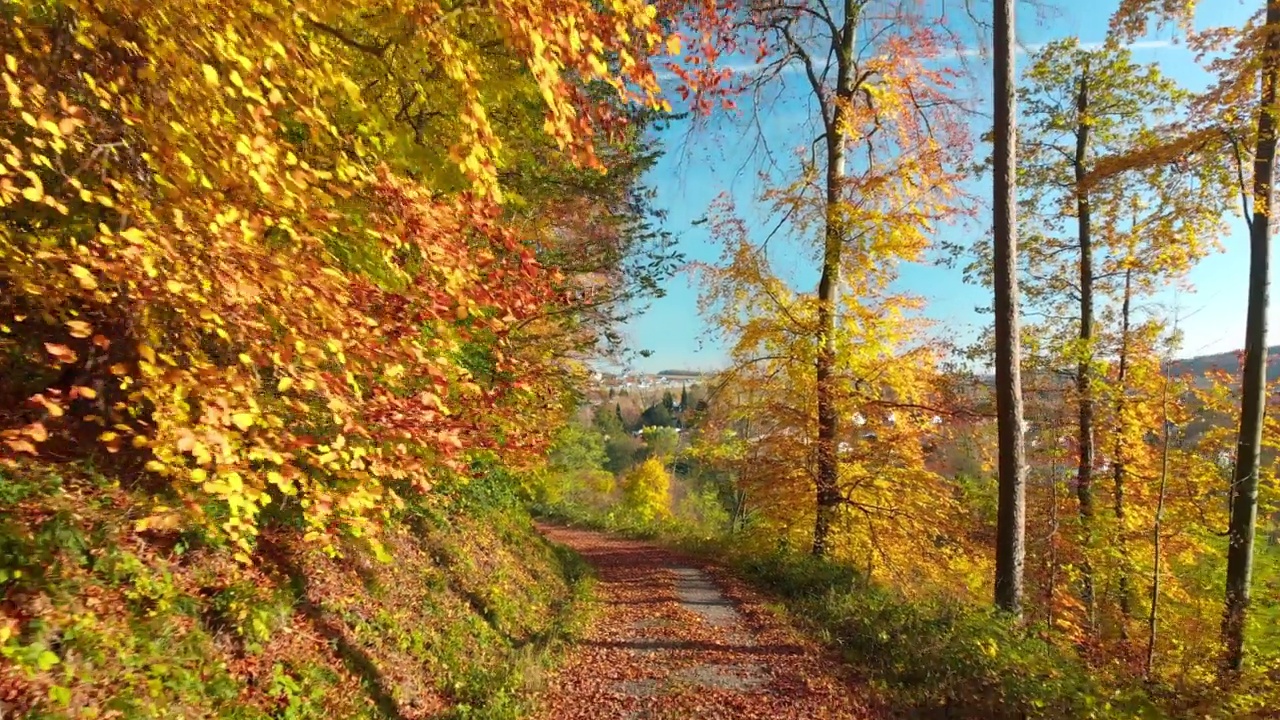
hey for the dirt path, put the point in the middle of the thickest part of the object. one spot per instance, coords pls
(673, 640)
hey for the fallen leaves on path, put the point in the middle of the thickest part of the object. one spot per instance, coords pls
(671, 640)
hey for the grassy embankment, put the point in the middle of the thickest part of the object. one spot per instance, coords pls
(97, 620)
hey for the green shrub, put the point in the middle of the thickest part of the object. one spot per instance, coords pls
(937, 657)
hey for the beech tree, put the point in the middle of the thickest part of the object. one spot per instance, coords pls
(237, 271)
(870, 182)
(1085, 237)
(1237, 113)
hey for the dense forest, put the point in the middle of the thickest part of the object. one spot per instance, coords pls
(302, 306)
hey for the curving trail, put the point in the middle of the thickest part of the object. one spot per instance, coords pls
(673, 639)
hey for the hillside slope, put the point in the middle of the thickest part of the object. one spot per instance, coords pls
(97, 620)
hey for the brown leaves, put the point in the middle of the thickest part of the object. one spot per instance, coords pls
(676, 651)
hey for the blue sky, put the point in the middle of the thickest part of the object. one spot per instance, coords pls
(726, 159)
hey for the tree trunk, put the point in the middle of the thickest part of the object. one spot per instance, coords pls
(1154, 615)
(1051, 591)
(1244, 511)
(1119, 467)
(1011, 515)
(828, 470)
(1084, 391)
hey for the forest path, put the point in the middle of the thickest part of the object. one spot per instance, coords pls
(672, 638)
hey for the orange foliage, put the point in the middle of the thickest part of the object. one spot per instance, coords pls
(209, 260)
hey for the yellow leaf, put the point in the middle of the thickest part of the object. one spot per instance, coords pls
(80, 328)
(353, 90)
(84, 277)
(34, 194)
(87, 393)
(210, 75)
(284, 384)
(36, 431)
(23, 446)
(244, 421)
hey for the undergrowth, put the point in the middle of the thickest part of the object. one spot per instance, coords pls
(98, 620)
(936, 658)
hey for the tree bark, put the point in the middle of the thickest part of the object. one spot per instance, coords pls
(1011, 514)
(1084, 390)
(828, 490)
(1244, 510)
(1154, 615)
(1119, 468)
(1051, 589)
(828, 468)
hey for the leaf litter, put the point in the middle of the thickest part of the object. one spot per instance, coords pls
(672, 638)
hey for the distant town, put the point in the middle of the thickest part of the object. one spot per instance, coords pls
(643, 381)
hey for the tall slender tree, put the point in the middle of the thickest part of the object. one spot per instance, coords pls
(1252, 55)
(1244, 484)
(1011, 514)
(1086, 235)
(835, 108)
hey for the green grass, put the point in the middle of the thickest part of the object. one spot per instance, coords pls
(463, 623)
(936, 657)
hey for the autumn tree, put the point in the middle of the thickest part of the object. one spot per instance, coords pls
(1238, 114)
(240, 267)
(865, 189)
(1086, 239)
(893, 506)
(647, 491)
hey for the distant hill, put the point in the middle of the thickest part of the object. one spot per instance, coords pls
(1197, 365)
(1229, 361)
